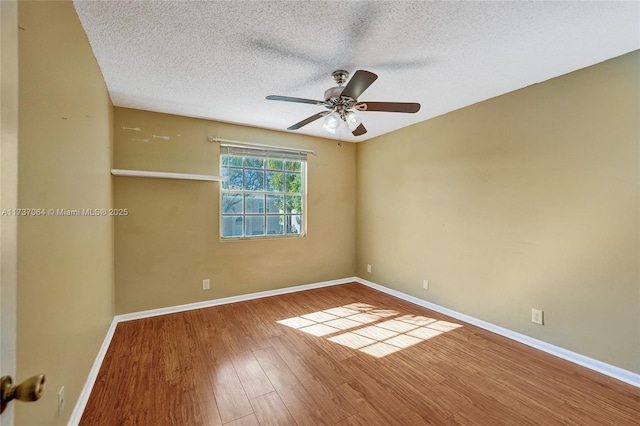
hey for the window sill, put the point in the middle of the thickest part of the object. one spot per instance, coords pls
(263, 237)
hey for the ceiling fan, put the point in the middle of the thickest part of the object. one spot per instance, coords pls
(342, 101)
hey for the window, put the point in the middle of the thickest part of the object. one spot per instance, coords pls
(264, 193)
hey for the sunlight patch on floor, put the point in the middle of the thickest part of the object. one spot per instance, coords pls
(374, 331)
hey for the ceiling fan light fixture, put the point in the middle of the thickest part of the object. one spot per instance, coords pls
(331, 122)
(352, 120)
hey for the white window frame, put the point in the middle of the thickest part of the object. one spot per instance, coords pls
(265, 152)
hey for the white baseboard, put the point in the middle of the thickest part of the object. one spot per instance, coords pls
(227, 300)
(76, 415)
(593, 364)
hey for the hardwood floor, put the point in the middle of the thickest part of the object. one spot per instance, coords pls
(342, 355)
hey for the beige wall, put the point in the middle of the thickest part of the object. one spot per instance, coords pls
(65, 264)
(170, 241)
(528, 200)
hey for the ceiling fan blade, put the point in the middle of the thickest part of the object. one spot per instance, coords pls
(306, 121)
(359, 131)
(408, 107)
(298, 100)
(360, 81)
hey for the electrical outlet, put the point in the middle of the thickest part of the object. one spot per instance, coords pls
(537, 316)
(425, 284)
(368, 268)
(60, 400)
(206, 284)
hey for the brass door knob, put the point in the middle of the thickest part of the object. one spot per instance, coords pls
(29, 390)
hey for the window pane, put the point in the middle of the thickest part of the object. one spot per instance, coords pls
(224, 171)
(294, 182)
(274, 164)
(293, 166)
(235, 178)
(255, 163)
(253, 180)
(275, 181)
(231, 203)
(275, 203)
(275, 225)
(230, 160)
(294, 224)
(231, 226)
(254, 225)
(253, 203)
(294, 204)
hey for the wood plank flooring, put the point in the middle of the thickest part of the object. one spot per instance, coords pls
(342, 355)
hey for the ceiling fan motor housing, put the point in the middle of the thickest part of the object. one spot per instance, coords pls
(335, 101)
(332, 95)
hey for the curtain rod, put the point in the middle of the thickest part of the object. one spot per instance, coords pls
(258, 145)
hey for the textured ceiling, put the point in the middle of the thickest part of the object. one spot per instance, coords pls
(219, 59)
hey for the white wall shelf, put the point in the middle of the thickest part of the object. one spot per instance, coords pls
(166, 175)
